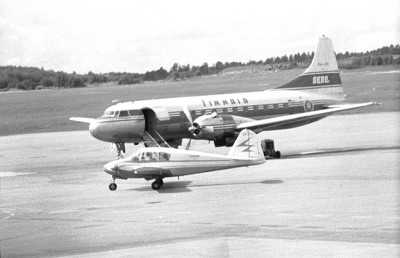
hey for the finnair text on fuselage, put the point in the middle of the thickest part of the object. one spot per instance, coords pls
(224, 102)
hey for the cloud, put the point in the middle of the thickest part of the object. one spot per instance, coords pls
(137, 36)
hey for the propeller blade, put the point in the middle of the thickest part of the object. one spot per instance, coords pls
(188, 144)
(187, 113)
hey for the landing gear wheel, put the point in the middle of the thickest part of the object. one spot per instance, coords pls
(157, 184)
(277, 155)
(112, 186)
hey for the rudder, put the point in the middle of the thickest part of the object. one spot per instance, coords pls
(247, 147)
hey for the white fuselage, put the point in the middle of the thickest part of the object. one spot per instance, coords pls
(179, 163)
(168, 118)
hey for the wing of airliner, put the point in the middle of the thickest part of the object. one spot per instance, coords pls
(287, 121)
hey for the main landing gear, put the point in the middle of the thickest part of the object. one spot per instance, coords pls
(157, 184)
(112, 186)
(120, 148)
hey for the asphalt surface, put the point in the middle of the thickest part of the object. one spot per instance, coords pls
(334, 192)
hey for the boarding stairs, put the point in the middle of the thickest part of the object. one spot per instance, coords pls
(153, 139)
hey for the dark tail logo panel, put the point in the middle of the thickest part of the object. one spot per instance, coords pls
(309, 80)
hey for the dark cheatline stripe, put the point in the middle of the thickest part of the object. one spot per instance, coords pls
(310, 80)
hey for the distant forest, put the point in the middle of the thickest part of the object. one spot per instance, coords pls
(30, 78)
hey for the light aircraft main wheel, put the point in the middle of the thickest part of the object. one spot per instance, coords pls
(112, 186)
(157, 184)
(277, 155)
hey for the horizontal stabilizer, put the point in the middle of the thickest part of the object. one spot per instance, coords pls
(82, 119)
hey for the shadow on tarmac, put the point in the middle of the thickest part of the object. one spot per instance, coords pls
(182, 186)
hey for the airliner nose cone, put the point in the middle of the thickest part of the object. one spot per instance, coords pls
(93, 129)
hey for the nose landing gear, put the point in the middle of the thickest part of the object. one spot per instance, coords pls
(112, 186)
(120, 146)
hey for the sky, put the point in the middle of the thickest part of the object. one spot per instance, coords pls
(138, 36)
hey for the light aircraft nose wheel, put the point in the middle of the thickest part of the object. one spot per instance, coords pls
(157, 184)
(112, 186)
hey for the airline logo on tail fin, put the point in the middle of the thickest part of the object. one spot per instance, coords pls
(322, 76)
(247, 146)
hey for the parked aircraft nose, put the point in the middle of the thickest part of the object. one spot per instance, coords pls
(111, 168)
(94, 129)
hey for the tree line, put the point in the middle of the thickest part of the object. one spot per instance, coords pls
(30, 78)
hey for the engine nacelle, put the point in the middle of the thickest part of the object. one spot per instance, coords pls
(217, 127)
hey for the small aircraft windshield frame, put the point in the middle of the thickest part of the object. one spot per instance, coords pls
(150, 156)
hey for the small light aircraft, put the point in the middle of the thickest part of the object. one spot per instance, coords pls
(313, 95)
(156, 163)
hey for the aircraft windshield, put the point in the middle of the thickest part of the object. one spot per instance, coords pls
(150, 156)
(108, 114)
(122, 113)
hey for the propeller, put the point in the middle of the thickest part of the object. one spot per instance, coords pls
(191, 129)
(195, 127)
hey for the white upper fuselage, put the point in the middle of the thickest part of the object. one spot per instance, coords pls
(171, 122)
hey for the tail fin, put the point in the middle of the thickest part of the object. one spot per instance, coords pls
(247, 147)
(322, 76)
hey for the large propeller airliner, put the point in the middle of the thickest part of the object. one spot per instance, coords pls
(313, 95)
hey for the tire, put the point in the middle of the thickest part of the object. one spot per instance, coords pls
(156, 185)
(277, 155)
(112, 186)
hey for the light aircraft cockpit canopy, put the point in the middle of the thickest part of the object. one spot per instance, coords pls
(143, 155)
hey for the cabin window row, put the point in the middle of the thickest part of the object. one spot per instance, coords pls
(241, 109)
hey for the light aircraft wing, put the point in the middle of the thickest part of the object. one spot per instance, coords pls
(143, 171)
(276, 122)
(82, 119)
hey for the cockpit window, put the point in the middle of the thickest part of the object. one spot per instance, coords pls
(108, 114)
(135, 112)
(164, 156)
(150, 156)
(116, 113)
(123, 113)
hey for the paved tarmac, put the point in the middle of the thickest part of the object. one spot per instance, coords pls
(335, 192)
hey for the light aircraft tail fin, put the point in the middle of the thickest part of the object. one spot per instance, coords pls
(247, 147)
(322, 76)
